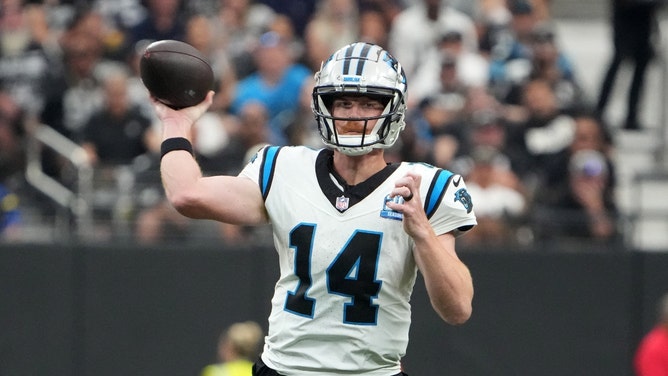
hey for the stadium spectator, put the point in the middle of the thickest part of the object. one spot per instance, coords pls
(484, 158)
(118, 132)
(541, 131)
(119, 16)
(651, 356)
(547, 62)
(388, 8)
(74, 91)
(277, 84)
(88, 20)
(299, 12)
(437, 128)
(25, 54)
(500, 198)
(633, 24)
(238, 347)
(550, 63)
(481, 125)
(335, 23)
(510, 49)
(492, 24)
(200, 34)
(376, 17)
(416, 31)
(576, 198)
(485, 123)
(164, 19)
(374, 27)
(450, 68)
(283, 26)
(113, 137)
(240, 23)
(589, 134)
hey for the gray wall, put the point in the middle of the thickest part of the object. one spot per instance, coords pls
(130, 311)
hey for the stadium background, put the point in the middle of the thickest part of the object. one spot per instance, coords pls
(104, 310)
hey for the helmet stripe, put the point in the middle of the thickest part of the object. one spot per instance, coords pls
(364, 55)
(346, 59)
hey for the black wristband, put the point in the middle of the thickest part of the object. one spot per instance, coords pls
(176, 143)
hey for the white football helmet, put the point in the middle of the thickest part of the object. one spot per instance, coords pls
(361, 69)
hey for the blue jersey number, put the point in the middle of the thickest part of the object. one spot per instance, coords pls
(351, 274)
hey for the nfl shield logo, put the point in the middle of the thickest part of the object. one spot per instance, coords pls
(342, 203)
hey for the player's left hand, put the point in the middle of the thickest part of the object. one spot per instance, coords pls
(415, 219)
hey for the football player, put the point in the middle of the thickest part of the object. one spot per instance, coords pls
(351, 230)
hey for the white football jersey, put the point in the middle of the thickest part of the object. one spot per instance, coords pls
(341, 303)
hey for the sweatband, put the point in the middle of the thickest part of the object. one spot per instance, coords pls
(176, 143)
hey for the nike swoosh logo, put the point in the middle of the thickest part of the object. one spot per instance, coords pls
(457, 180)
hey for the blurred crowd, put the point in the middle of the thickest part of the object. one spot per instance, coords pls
(492, 96)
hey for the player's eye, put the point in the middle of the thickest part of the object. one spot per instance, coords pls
(342, 103)
(373, 105)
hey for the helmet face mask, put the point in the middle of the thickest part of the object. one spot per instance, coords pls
(361, 69)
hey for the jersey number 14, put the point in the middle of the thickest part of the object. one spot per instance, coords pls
(352, 274)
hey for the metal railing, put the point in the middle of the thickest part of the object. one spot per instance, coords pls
(75, 214)
(662, 55)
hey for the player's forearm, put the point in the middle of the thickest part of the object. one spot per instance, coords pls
(180, 174)
(179, 170)
(448, 281)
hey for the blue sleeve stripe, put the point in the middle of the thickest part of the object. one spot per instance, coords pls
(267, 169)
(436, 191)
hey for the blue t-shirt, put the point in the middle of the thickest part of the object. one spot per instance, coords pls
(280, 99)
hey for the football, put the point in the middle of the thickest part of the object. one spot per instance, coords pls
(175, 73)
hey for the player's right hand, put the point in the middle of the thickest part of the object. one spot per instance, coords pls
(189, 114)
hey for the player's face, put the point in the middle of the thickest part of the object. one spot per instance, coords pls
(356, 107)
